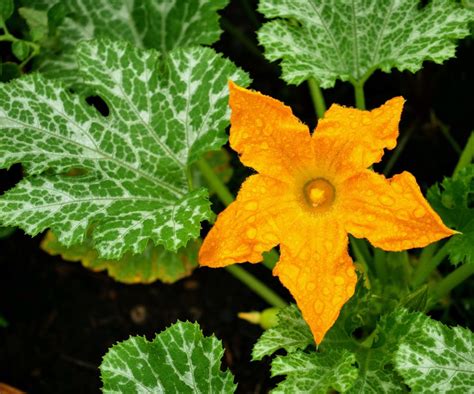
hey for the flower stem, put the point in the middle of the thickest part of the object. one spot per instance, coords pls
(456, 277)
(256, 286)
(216, 184)
(359, 94)
(427, 265)
(466, 155)
(317, 97)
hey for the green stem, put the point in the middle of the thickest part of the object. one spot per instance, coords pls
(426, 266)
(359, 94)
(467, 155)
(360, 250)
(216, 184)
(398, 150)
(456, 277)
(258, 287)
(317, 97)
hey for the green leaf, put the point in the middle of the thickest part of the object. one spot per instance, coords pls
(160, 24)
(6, 9)
(37, 21)
(164, 113)
(315, 372)
(154, 263)
(345, 40)
(21, 50)
(290, 333)
(179, 360)
(454, 201)
(434, 358)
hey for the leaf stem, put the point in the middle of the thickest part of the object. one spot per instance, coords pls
(427, 265)
(216, 184)
(359, 94)
(455, 278)
(317, 97)
(361, 251)
(256, 286)
(466, 155)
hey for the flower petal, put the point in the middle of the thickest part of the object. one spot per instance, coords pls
(250, 225)
(316, 268)
(351, 140)
(391, 213)
(267, 135)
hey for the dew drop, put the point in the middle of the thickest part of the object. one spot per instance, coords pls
(318, 307)
(258, 122)
(386, 200)
(326, 291)
(339, 280)
(370, 218)
(397, 188)
(310, 286)
(251, 206)
(264, 145)
(337, 300)
(419, 212)
(251, 219)
(350, 272)
(251, 233)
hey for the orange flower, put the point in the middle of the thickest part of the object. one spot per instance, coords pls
(310, 191)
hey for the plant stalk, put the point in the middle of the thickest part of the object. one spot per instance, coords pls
(455, 278)
(256, 286)
(359, 94)
(467, 155)
(317, 97)
(427, 265)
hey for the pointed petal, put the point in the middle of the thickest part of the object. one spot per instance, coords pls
(250, 225)
(391, 213)
(267, 135)
(351, 140)
(317, 270)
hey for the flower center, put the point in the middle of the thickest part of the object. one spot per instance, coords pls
(319, 193)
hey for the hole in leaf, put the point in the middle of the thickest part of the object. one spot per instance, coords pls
(99, 104)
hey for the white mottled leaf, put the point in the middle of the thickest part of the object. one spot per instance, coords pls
(164, 113)
(315, 372)
(435, 358)
(159, 24)
(348, 40)
(290, 333)
(179, 360)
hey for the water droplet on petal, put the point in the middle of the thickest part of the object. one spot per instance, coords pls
(419, 212)
(310, 286)
(264, 145)
(326, 291)
(251, 232)
(318, 307)
(386, 200)
(339, 280)
(397, 188)
(337, 300)
(251, 206)
(258, 122)
(370, 218)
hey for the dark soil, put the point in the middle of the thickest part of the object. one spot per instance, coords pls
(63, 318)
